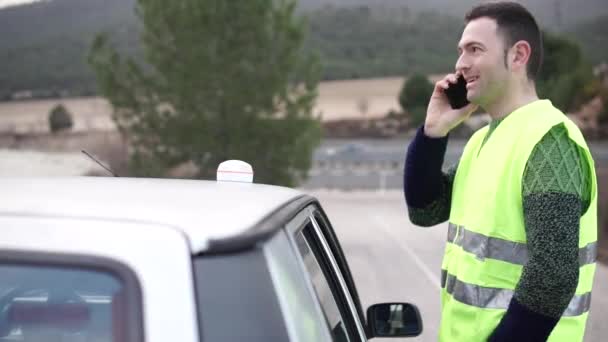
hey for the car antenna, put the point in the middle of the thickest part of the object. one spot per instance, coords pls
(100, 164)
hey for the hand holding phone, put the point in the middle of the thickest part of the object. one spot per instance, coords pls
(457, 93)
(448, 106)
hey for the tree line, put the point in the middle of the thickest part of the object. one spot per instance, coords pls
(49, 56)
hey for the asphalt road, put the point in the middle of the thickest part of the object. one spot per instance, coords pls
(393, 260)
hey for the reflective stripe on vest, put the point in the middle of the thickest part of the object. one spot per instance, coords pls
(495, 298)
(509, 251)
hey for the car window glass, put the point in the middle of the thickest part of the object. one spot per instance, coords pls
(322, 285)
(338, 254)
(299, 305)
(53, 304)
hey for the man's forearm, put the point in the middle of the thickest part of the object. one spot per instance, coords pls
(427, 189)
(550, 277)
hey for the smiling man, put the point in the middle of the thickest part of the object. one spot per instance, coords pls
(521, 203)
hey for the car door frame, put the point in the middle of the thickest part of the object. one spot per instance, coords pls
(332, 252)
(336, 250)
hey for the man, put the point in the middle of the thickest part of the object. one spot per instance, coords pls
(521, 203)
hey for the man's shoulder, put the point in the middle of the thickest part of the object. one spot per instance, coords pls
(480, 133)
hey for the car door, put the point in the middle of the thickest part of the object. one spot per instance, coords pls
(49, 297)
(328, 274)
(73, 279)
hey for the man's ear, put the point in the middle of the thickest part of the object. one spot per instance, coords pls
(519, 55)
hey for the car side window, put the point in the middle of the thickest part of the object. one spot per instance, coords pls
(325, 286)
(341, 261)
(59, 303)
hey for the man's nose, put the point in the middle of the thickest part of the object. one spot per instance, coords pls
(463, 63)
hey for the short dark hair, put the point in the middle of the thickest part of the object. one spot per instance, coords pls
(515, 23)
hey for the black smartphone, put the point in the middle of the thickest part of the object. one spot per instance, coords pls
(457, 93)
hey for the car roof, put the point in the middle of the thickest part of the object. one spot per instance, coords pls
(204, 211)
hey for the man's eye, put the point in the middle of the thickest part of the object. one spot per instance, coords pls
(475, 49)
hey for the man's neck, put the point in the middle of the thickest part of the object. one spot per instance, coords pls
(515, 100)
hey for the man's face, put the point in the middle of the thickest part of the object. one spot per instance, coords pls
(481, 61)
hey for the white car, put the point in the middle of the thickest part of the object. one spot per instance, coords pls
(134, 260)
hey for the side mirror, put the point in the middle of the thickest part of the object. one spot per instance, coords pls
(394, 320)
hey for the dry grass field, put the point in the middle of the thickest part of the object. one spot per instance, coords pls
(346, 99)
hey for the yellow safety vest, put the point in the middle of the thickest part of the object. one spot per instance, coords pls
(486, 248)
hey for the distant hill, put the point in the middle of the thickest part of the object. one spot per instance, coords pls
(548, 12)
(43, 45)
(359, 42)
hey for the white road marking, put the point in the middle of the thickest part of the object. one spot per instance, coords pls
(433, 278)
